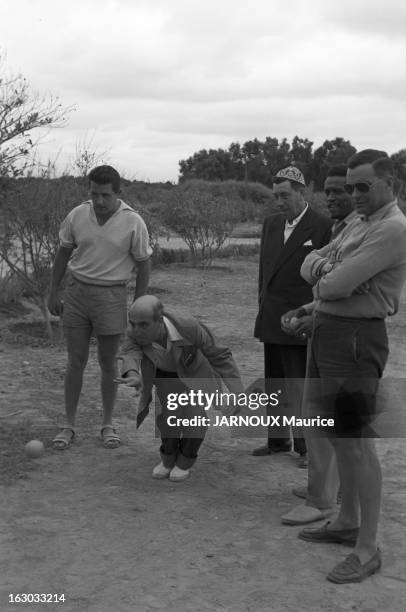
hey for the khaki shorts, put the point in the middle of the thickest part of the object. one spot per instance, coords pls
(104, 309)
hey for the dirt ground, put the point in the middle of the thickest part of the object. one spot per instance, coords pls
(92, 524)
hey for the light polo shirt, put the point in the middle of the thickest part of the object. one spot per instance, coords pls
(162, 357)
(290, 226)
(104, 254)
(371, 250)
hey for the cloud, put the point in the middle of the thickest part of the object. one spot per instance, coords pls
(367, 17)
(158, 80)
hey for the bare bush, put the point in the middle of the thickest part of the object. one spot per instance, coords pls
(21, 112)
(203, 216)
(88, 156)
(30, 232)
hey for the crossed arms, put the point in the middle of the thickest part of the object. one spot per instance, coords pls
(337, 278)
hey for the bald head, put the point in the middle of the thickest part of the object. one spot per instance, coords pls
(147, 305)
(145, 319)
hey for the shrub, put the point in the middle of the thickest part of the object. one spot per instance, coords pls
(317, 200)
(168, 256)
(30, 227)
(239, 250)
(155, 229)
(11, 288)
(255, 200)
(203, 215)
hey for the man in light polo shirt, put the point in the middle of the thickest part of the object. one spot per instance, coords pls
(103, 239)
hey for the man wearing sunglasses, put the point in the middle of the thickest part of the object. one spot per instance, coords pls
(357, 281)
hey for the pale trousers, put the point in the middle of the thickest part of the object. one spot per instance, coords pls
(322, 473)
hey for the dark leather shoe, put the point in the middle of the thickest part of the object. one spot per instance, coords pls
(286, 447)
(271, 449)
(322, 535)
(351, 570)
(261, 450)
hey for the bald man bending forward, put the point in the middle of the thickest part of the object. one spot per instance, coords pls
(177, 354)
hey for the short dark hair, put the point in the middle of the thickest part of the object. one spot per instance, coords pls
(102, 175)
(383, 167)
(380, 161)
(338, 170)
(295, 185)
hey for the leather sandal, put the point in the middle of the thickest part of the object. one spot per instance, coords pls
(109, 437)
(64, 438)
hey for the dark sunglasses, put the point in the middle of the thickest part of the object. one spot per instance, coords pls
(362, 186)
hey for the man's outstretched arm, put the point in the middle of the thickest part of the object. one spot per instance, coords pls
(58, 272)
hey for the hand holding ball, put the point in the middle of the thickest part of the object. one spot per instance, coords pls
(294, 322)
(34, 449)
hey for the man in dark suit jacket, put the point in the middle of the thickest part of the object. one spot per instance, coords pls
(287, 238)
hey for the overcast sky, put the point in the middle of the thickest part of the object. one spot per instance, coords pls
(154, 81)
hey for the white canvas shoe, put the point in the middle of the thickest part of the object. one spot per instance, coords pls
(160, 471)
(177, 474)
(301, 515)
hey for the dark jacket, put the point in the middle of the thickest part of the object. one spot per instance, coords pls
(281, 288)
(201, 363)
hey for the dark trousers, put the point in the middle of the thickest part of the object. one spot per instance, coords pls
(285, 366)
(179, 444)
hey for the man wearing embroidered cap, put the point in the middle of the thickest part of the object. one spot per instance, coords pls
(287, 237)
(290, 174)
(103, 239)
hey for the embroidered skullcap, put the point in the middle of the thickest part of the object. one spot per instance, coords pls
(290, 174)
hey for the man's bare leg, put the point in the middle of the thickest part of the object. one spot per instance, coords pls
(348, 516)
(107, 354)
(361, 482)
(77, 340)
(322, 479)
(369, 481)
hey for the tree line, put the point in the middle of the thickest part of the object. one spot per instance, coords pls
(258, 161)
